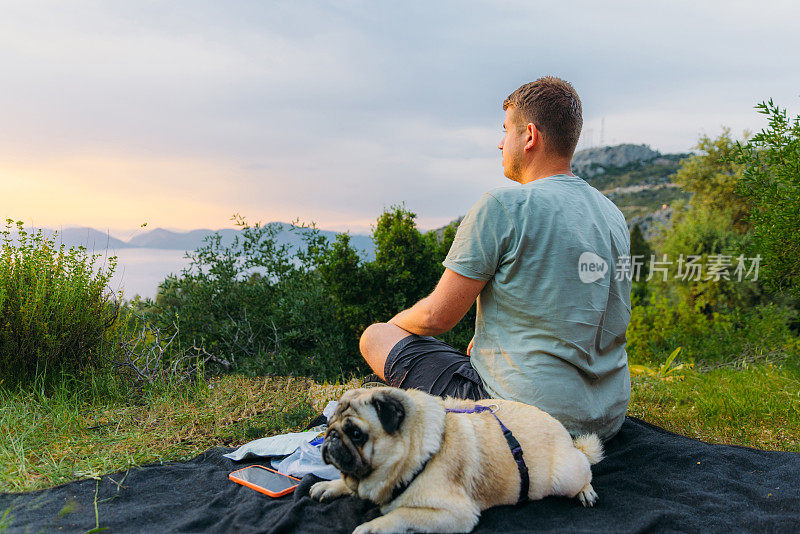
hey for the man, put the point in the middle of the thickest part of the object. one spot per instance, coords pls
(541, 258)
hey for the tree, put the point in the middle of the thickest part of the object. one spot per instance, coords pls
(641, 249)
(268, 309)
(712, 178)
(713, 225)
(771, 184)
(405, 268)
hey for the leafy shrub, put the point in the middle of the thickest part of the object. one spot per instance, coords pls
(713, 223)
(660, 324)
(707, 233)
(407, 266)
(269, 312)
(712, 178)
(715, 321)
(771, 182)
(256, 306)
(55, 311)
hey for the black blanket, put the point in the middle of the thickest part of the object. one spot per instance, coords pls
(651, 480)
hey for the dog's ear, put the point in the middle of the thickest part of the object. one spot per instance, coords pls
(390, 411)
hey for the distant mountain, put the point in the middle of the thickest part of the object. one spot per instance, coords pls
(596, 161)
(160, 238)
(82, 237)
(650, 223)
(166, 239)
(288, 235)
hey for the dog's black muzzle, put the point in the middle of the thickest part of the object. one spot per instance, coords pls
(342, 455)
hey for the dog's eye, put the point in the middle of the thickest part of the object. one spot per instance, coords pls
(356, 435)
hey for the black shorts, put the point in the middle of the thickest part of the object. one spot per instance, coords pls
(433, 366)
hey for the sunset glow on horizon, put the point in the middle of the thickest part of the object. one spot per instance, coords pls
(179, 116)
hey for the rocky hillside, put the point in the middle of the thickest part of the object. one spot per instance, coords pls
(650, 223)
(595, 161)
(638, 179)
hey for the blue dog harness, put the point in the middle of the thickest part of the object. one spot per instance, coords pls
(513, 444)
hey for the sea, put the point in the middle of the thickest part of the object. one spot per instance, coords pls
(140, 270)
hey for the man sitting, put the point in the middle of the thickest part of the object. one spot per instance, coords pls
(542, 258)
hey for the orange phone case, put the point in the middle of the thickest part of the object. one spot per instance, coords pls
(259, 489)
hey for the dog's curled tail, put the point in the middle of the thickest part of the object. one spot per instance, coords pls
(591, 446)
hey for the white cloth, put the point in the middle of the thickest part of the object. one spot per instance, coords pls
(307, 459)
(280, 445)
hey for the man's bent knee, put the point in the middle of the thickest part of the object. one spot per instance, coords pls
(377, 341)
(381, 337)
(368, 337)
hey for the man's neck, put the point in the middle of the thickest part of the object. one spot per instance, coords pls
(536, 172)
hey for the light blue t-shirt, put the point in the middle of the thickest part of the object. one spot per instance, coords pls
(551, 320)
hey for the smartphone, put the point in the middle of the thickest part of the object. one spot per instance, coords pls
(265, 480)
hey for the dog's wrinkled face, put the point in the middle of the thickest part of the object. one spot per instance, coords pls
(364, 420)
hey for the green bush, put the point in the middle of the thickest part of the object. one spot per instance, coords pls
(407, 266)
(719, 321)
(261, 309)
(771, 183)
(269, 312)
(713, 224)
(55, 311)
(707, 233)
(661, 324)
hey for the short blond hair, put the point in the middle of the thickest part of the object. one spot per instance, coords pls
(553, 105)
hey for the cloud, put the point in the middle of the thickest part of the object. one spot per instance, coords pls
(332, 111)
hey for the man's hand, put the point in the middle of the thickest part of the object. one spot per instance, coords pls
(469, 347)
(441, 310)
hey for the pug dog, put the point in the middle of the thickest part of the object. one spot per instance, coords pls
(431, 470)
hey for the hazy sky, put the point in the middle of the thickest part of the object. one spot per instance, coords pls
(179, 114)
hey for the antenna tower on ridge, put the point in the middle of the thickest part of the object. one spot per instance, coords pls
(602, 131)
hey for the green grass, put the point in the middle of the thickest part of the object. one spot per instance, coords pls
(49, 440)
(65, 436)
(5, 519)
(756, 406)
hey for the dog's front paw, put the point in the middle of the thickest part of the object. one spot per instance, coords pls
(587, 496)
(328, 490)
(371, 527)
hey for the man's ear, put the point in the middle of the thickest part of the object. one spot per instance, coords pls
(533, 136)
(390, 411)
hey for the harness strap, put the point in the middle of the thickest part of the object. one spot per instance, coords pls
(513, 444)
(400, 488)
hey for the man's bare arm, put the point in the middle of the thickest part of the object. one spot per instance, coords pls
(441, 310)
